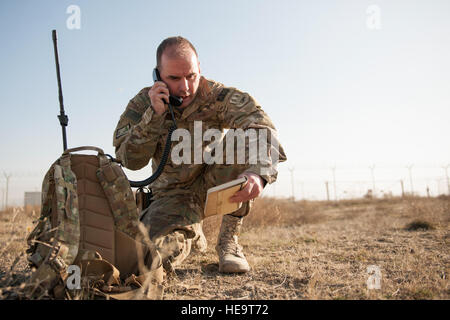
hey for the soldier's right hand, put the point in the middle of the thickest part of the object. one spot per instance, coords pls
(159, 93)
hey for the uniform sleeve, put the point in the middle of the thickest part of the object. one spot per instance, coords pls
(136, 135)
(240, 110)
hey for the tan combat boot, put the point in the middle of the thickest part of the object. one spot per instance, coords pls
(231, 257)
(199, 243)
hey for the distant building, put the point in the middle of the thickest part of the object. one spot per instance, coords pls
(369, 194)
(32, 198)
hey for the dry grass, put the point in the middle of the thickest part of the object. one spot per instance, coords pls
(301, 250)
(15, 225)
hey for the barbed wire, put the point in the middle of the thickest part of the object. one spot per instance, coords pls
(296, 180)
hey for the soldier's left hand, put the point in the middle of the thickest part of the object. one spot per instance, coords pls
(252, 189)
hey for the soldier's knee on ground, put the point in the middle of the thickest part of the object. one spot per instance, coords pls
(174, 248)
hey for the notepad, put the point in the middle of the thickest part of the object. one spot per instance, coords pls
(217, 198)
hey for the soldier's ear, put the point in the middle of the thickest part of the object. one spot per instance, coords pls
(199, 71)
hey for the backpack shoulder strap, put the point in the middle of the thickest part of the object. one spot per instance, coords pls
(120, 196)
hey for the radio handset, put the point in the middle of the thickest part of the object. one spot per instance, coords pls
(176, 101)
(173, 100)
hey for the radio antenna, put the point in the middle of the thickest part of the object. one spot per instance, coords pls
(63, 119)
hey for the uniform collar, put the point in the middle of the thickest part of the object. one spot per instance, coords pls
(199, 100)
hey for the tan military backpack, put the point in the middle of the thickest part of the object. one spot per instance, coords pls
(89, 219)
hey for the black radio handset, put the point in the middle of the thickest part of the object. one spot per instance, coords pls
(172, 101)
(175, 101)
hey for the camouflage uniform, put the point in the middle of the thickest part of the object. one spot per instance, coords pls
(174, 218)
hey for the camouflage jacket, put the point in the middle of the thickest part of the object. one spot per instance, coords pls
(141, 136)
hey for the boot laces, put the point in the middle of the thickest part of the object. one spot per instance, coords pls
(231, 246)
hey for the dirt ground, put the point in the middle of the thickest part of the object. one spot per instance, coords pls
(301, 250)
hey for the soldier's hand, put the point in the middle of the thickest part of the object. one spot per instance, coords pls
(252, 189)
(159, 93)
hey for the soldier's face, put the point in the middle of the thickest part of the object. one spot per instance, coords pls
(182, 76)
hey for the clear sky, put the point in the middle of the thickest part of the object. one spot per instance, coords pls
(340, 91)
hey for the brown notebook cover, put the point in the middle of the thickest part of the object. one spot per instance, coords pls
(217, 198)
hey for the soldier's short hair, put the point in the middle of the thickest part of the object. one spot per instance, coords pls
(180, 45)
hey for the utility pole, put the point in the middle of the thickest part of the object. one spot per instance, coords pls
(292, 182)
(3, 198)
(446, 175)
(410, 179)
(373, 181)
(7, 176)
(403, 189)
(302, 194)
(334, 182)
(328, 192)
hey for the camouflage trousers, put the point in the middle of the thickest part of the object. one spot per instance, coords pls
(175, 222)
